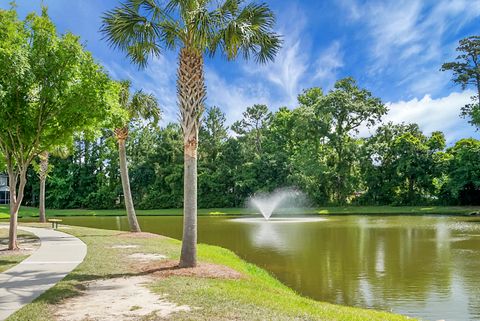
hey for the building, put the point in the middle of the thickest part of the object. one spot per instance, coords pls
(4, 190)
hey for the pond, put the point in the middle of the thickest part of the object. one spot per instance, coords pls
(422, 266)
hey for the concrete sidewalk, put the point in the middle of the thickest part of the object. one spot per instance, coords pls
(58, 254)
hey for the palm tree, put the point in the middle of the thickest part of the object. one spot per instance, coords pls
(43, 170)
(197, 28)
(140, 107)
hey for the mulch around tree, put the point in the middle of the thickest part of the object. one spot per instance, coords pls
(167, 268)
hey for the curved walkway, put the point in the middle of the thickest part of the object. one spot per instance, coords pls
(59, 253)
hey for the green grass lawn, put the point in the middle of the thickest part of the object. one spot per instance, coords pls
(374, 210)
(258, 296)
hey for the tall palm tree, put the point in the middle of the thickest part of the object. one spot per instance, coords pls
(43, 170)
(197, 28)
(140, 107)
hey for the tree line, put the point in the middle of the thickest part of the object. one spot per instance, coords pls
(314, 147)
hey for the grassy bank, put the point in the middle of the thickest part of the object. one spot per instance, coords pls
(340, 210)
(257, 296)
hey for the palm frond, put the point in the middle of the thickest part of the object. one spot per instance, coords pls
(144, 106)
(140, 27)
(132, 30)
(249, 32)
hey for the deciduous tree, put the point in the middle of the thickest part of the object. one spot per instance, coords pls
(50, 88)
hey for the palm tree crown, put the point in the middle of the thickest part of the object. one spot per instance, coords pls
(140, 105)
(142, 27)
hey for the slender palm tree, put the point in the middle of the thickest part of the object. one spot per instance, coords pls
(139, 107)
(197, 28)
(43, 170)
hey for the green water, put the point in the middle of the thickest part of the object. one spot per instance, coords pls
(427, 267)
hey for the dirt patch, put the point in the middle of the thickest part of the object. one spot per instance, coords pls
(116, 299)
(203, 270)
(145, 257)
(140, 235)
(126, 246)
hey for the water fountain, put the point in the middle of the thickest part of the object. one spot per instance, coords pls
(288, 202)
(267, 203)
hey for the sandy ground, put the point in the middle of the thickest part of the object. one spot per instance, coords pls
(140, 235)
(126, 246)
(116, 299)
(146, 257)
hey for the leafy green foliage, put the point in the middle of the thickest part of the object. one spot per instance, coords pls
(139, 107)
(463, 182)
(333, 119)
(401, 165)
(52, 89)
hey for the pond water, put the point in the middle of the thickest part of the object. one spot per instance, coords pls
(426, 266)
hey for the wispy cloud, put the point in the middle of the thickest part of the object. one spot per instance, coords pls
(297, 66)
(328, 64)
(352, 8)
(407, 38)
(289, 68)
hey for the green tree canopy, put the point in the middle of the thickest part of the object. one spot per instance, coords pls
(464, 171)
(50, 88)
(334, 119)
(402, 164)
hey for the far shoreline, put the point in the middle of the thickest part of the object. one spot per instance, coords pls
(32, 212)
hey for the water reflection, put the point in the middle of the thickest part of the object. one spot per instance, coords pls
(426, 267)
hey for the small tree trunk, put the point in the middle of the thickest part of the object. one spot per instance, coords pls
(12, 232)
(43, 178)
(191, 97)
(15, 201)
(122, 134)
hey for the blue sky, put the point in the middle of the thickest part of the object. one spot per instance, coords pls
(394, 48)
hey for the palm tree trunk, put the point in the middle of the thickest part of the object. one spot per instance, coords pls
(191, 97)
(43, 177)
(122, 134)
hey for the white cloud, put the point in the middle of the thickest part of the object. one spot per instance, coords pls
(392, 25)
(440, 114)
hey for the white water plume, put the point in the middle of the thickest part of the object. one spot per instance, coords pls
(268, 203)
